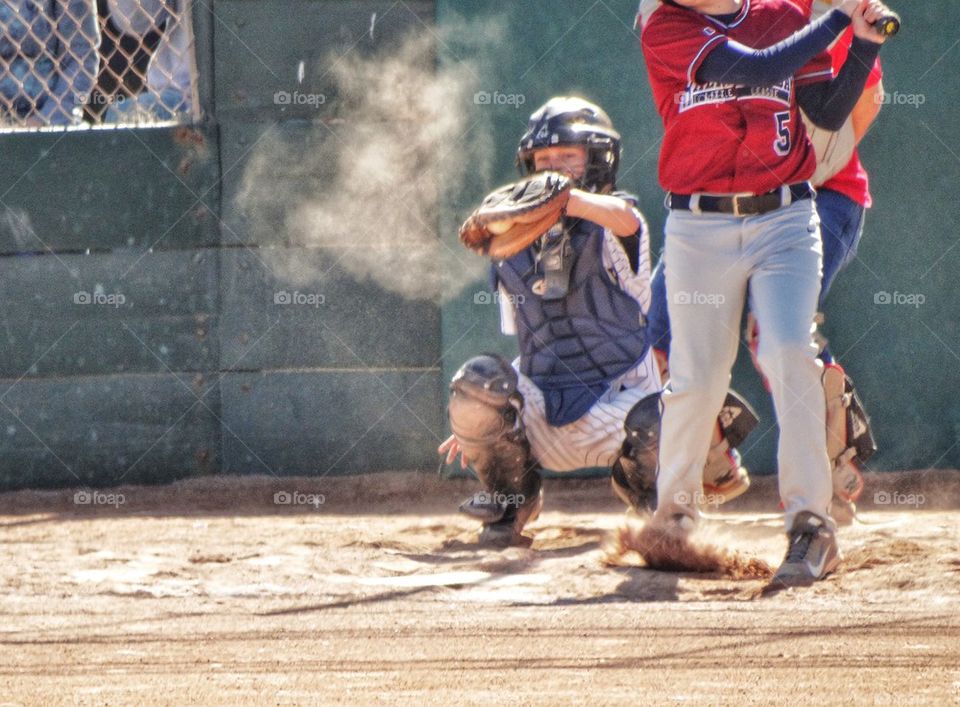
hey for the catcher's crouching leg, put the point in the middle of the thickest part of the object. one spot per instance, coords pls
(724, 478)
(484, 409)
(850, 442)
(634, 473)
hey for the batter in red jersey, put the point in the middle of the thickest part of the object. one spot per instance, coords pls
(728, 78)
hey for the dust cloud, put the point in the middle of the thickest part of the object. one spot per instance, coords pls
(369, 187)
(672, 551)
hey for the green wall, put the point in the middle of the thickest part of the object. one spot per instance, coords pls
(198, 371)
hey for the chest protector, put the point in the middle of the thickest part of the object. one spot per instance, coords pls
(573, 345)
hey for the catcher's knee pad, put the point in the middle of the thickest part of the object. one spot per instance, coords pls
(723, 476)
(850, 440)
(485, 404)
(634, 473)
(485, 416)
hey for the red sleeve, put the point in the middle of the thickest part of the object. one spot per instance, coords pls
(876, 74)
(675, 42)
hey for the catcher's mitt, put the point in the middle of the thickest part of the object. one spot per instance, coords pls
(514, 216)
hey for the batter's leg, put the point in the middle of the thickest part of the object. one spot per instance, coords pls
(786, 247)
(706, 284)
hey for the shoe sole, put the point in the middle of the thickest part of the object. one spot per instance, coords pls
(493, 537)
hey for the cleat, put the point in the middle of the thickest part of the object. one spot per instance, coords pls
(812, 553)
(507, 531)
(485, 507)
(503, 535)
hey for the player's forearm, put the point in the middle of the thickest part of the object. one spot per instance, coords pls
(732, 62)
(829, 104)
(611, 212)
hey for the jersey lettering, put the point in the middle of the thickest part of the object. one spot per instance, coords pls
(704, 94)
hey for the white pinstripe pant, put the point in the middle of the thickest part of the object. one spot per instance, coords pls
(594, 439)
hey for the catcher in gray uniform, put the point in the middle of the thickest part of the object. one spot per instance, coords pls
(571, 272)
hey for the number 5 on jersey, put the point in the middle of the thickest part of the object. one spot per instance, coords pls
(782, 144)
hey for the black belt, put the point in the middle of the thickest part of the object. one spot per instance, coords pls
(742, 204)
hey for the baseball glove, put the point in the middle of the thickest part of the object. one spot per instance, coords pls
(512, 217)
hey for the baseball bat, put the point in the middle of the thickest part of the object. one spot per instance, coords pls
(888, 25)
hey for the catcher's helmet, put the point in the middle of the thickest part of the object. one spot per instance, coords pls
(568, 120)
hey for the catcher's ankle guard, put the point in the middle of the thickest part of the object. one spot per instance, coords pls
(724, 479)
(850, 440)
(504, 516)
(848, 425)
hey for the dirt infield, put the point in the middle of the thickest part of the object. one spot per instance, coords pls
(369, 590)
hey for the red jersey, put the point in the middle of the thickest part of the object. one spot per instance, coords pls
(852, 180)
(727, 138)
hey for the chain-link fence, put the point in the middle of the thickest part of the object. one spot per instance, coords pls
(81, 63)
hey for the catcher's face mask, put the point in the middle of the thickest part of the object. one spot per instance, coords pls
(569, 159)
